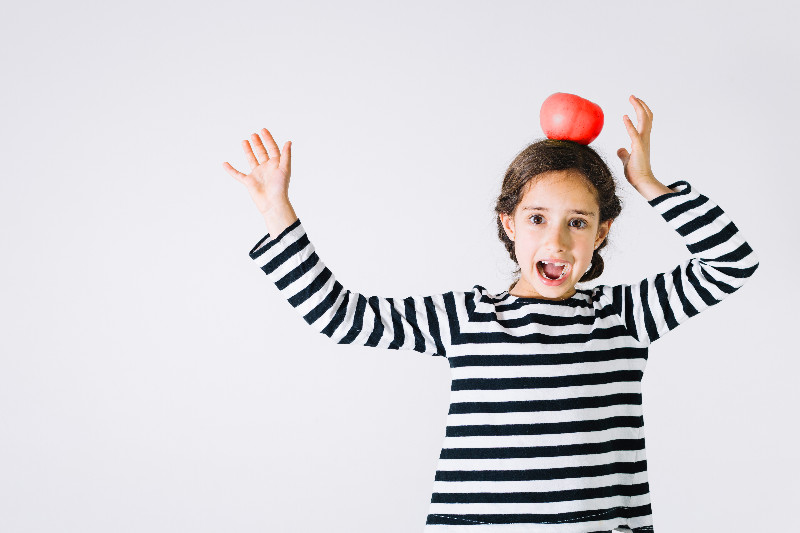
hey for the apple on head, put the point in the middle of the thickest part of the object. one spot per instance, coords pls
(570, 117)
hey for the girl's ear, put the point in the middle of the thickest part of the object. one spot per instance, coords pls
(508, 225)
(602, 232)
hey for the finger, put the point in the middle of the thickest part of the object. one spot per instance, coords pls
(647, 108)
(261, 152)
(233, 172)
(644, 118)
(641, 115)
(632, 132)
(286, 158)
(271, 145)
(622, 153)
(248, 152)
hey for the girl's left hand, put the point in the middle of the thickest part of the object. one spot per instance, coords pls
(637, 163)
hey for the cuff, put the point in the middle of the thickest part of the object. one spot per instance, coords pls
(267, 244)
(683, 188)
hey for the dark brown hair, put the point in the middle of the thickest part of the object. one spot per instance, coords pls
(551, 154)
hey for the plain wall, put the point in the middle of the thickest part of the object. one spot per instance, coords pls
(153, 380)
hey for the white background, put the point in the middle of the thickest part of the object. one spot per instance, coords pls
(152, 380)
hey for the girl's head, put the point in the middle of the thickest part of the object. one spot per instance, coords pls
(557, 203)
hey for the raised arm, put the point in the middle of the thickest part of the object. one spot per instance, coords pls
(289, 260)
(722, 262)
(416, 323)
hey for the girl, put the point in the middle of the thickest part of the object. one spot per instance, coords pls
(545, 427)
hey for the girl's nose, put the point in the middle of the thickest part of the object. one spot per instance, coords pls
(557, 238)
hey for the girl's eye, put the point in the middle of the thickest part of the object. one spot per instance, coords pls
(582, 222)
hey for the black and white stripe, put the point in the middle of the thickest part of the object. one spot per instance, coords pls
(545, 428)
(721, 264)
(347, 317)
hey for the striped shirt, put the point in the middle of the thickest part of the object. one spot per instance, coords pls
(545, 428)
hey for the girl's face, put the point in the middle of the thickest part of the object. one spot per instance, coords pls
(556, 221)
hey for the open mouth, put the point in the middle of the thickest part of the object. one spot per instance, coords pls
(552, 270)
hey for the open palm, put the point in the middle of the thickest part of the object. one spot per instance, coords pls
(636, 164)
(268, 181)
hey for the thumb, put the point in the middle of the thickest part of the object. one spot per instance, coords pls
(623, 154)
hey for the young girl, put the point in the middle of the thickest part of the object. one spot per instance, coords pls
(545, 427)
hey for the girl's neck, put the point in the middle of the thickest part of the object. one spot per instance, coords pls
(521, 292)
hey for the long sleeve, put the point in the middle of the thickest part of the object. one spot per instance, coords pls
(291, 263)
(722, 262)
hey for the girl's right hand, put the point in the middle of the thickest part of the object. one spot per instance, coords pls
(268, 183)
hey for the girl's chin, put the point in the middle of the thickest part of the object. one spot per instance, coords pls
(560, 292)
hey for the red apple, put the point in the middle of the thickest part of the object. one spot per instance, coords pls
(568, 116)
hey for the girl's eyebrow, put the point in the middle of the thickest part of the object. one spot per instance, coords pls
(578, 211)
